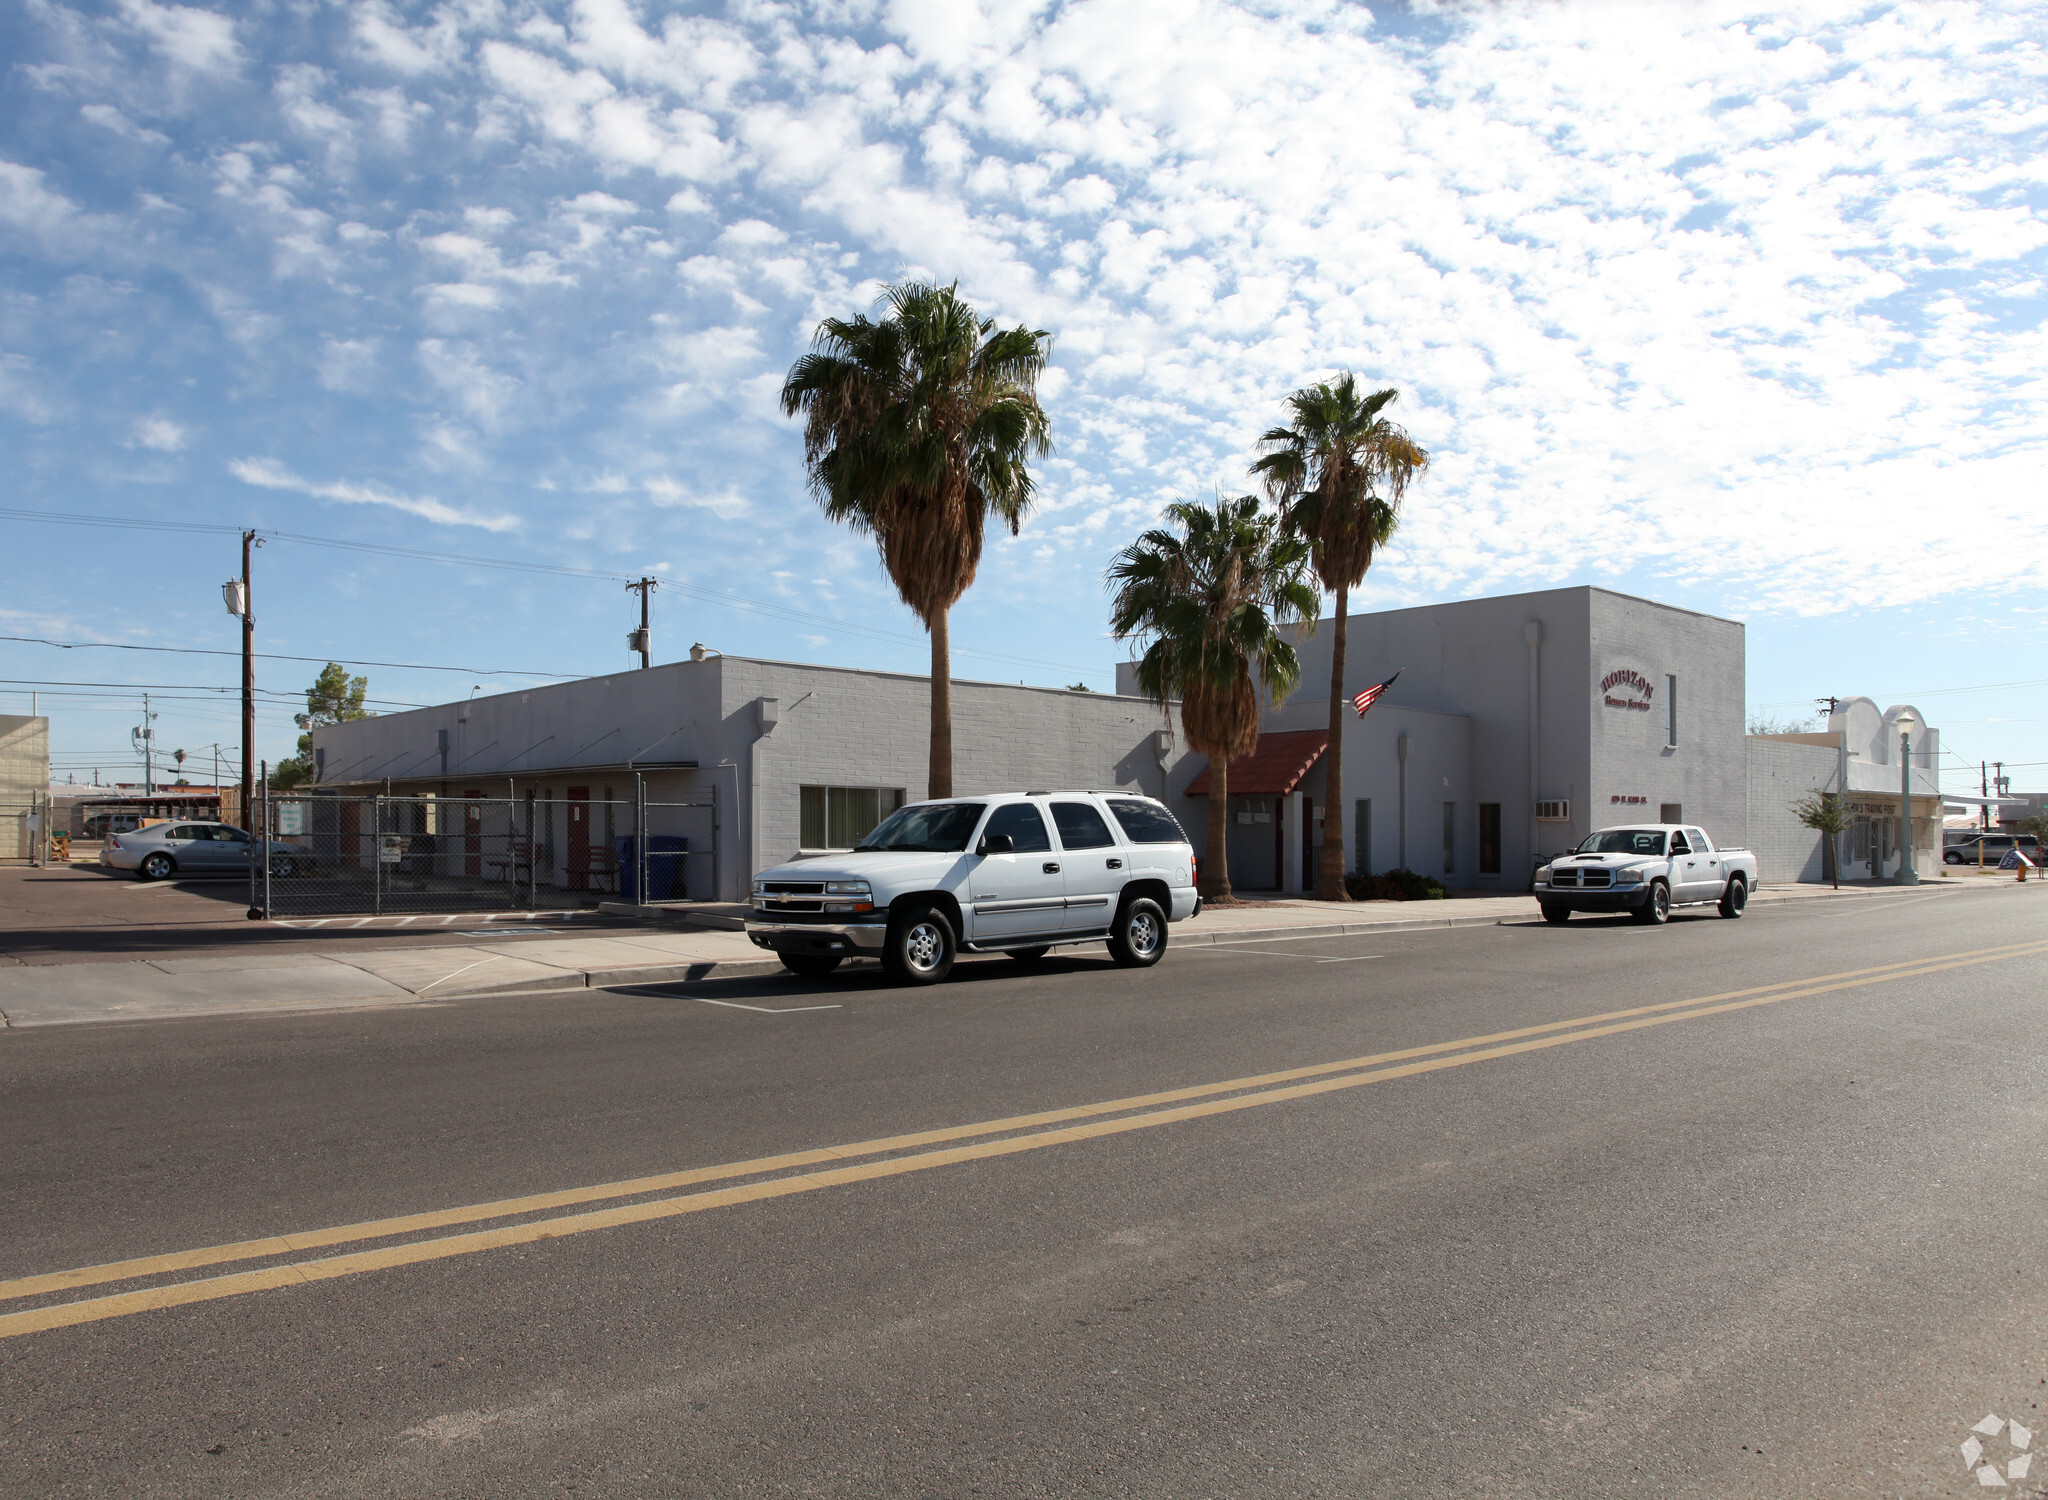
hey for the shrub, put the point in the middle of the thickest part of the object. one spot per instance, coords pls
(1395, 885)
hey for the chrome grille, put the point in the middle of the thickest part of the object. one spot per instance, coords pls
(794, 887)
(1596, 877)
(1564, 877)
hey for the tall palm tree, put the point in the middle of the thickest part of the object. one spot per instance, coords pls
(917, 425)
(1210, 593)
(1339, 470)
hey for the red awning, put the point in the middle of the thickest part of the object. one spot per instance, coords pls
(1273, 769)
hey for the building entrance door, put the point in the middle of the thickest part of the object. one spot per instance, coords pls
(579, 838)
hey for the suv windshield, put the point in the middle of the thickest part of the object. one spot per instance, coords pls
(1625, 841)
(928, 828)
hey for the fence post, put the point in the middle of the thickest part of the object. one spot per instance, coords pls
(639, 838)
(717, 890)
(377, 854)
(532, 850)
(265, 846)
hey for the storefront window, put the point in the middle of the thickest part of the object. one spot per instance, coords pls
(838, 817)
(1489, 838)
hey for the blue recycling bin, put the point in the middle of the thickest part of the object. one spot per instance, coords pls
(667, 861)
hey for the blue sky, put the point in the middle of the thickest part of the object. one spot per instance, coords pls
(1735, 308)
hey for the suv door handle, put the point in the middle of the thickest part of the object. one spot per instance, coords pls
(1052, 867)
(1116, 864)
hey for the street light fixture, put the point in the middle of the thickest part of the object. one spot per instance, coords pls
(1907, 874)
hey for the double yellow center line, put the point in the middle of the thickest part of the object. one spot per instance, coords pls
(861, 1161)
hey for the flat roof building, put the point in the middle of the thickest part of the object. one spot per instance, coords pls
(1518, 725)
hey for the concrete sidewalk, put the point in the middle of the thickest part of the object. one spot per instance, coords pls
(221, 984)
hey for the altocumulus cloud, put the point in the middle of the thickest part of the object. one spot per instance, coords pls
(1727, 296)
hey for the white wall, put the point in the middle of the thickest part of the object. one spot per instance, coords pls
(1780, 773)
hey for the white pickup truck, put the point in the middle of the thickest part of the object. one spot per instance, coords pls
(1645, 870)
(1017, 872)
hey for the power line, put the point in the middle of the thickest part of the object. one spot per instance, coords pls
(697, 591)
(409, 666)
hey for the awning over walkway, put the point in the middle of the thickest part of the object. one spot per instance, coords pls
(1275, 768)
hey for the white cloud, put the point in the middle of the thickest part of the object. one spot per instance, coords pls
(269, 474)
(727, 504)
(190, 39)
(160, 433)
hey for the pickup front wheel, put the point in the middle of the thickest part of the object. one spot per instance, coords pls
(920, 946)
(1656, 908)
(1138, 938)
(1735, 897)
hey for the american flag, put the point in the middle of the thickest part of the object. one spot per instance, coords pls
(1371, 696)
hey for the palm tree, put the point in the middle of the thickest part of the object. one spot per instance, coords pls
(1211, 596)
(1339, 470)
(916, 427)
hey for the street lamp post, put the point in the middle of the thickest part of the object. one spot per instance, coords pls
(1907, 874)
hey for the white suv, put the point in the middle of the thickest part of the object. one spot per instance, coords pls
(1016, 872)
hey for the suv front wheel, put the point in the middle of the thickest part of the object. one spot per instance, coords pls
(1138, 938)
(920, 946)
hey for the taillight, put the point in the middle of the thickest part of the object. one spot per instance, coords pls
(113, 843)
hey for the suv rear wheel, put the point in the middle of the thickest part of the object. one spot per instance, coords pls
(920, 946)
(1137, 940)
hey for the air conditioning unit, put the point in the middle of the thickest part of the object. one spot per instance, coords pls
(1554, 812)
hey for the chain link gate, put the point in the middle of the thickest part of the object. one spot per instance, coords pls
(392, 854)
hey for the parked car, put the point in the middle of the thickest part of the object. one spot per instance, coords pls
(1995, 847)
(1016, 872)
(1645, 870)
(171, 848)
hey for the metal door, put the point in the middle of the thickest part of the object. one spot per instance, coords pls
(579, 838)
(1095, 865)
(1023, 893)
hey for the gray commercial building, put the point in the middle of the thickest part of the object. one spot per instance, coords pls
(1517, 725)
(755, 761)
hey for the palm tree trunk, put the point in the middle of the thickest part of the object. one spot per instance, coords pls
(1215, 882)
(939, 783)
(1330, 873)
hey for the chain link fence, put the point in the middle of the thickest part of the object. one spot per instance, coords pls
(377, 855)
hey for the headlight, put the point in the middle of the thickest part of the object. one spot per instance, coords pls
(1543, 875)
(760, 889)
(1628, 877)
(848, 888)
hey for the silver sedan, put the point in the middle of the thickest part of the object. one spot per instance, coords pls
(172, 848)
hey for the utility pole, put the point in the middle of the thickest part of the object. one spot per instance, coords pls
(239, 600)
(639, 640)
(145, 738)
(1984, 791)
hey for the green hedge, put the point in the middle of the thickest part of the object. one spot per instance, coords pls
(1395, 885)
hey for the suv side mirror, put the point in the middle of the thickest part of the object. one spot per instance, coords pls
(996, 843)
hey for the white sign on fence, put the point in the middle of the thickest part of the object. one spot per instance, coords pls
(291, 817)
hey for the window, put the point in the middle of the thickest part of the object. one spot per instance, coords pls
(927, 828)
(1679, 845)
(1146, 823)
(838, 817)
(1670, 710)
(1670, 812)
(1624, 841)
(1450, 838)
(1361, 834)
(1020, 820)
(1081, 826)
(1697, 839)
(184, 831)
(1489, 838)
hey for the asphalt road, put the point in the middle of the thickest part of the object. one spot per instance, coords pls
(1784, 1242)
